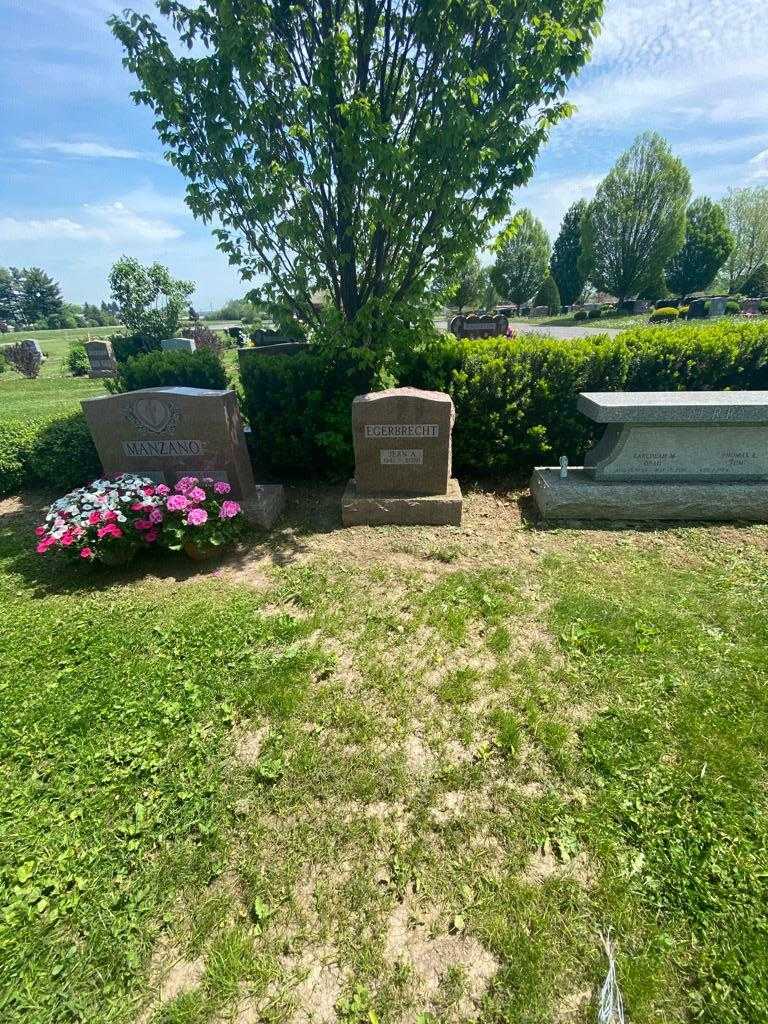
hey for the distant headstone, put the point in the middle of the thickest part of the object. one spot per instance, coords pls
(697, 309)
(479, 326)
(590, 307)
(101, 359)
(31, 345)
(540, 311)
(666, 455)
(717, 305)
(640, 306)
(402, 442)
(167, 433)
(288, 348)
(751, 307)
(178, 345)
(269, 338)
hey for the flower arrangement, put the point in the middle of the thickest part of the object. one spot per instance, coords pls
(199, 517)
(107, 521)
(110, 520)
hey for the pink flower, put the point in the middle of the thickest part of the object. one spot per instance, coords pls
(196, 517)
(110, 530)
(185, 483)
(196, 494)
(151, 536)
(177, 503)
(86, 553)
(222, 487)
(109, 516)
(101, 498)
(162, 489)
(137, 506)
(77, 532)
(148, 489)
(155, 516)
(40, 531)
(67, 539)
(43, 546)
(94, 517)
(229, 509)
(142, 524)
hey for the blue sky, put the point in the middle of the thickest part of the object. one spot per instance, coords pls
(82, 178)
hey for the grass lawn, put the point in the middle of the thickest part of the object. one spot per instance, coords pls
(394, 775)
(625, 321)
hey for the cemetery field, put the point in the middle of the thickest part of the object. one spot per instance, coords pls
(622, 320)
(386, 775)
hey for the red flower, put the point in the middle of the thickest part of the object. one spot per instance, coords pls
(40, 531)
(94, 517)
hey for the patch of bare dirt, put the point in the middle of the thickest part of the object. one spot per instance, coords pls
(316, 983)
(545, 864)
(170, 976)
(413, 938)
(572, 1008)
(249, 745)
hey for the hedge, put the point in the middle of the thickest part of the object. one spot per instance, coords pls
(56, 454)
(170, 369)
(515, 398)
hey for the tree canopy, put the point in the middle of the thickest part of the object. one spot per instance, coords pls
(522, 256)
(566, 254)
(361, 147)
(468, 288)
(149, 300)
(548, 295)
(746, 212)
(708, 243)
(636, 222)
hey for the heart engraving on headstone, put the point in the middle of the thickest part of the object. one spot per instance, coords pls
(154, 415)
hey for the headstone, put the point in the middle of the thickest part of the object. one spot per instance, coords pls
(178, 345)
(101, 359)
(402, 441)
(32, 345)
(590, 307)
(288, 348)
(268, 338)
(751, 307)
(640, 306)
(717, 305)
(697, 309)
(167, 433)
(479, 326)
(666, 455)
(540, 311)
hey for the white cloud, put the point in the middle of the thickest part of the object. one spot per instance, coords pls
(85, 149)
(108, 223)
(759, 165)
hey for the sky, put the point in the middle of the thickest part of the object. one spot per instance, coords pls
(83, 179)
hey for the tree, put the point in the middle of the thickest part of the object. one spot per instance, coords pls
(746, 212)
(636, 222)
(468, 287)
(566, 254)
(40, 297)
(708, 244)
(489, 296)
(548, 295)
(149, 301)
(756, 285)
(361, 147)
(522, 256)
(11, 289)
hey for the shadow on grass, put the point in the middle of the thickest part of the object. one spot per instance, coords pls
(310, 510)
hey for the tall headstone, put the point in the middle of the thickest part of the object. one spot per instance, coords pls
(666, 455)
(101, 359)
(178, 345)
(168, 433)
(402, 442)
(33, 346)
(717, 305)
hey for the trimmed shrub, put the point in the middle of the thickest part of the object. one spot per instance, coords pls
(595, 314)
(580, 314)
(515, 398)
(204, 338)
(57, 454)
(126, 346)
(77, 360)
(732, 306)
(548, 294)
(664, 314)
(170, 369)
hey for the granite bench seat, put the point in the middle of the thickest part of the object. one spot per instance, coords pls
(674, 407)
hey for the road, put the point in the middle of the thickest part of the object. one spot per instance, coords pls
(557, 331)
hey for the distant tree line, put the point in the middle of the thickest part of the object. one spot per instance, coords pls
(29, 297)
(641, 236)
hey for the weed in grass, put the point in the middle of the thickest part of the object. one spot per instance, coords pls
(458, 686)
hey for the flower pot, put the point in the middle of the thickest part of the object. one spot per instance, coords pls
(200, 552)
(117, 557)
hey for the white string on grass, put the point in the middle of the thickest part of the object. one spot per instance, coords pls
(611, 1007)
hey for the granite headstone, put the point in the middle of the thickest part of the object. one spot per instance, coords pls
(402, 443)
(101, 359)
(178, 345)
(167, 433)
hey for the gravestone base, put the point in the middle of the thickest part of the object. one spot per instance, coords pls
(580, 496)
(265, 506)
(390, 510)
